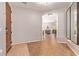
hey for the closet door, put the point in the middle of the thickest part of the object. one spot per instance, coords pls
(8, 27)
(74, 23)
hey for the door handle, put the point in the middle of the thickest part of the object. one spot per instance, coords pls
(6, 29)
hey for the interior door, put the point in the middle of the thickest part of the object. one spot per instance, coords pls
(8, 27)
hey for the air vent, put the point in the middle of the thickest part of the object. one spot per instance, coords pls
(49, 14)
(24, 2)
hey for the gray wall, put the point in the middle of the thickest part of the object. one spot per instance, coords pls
(26, 25)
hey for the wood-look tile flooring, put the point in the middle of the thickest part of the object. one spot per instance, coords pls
(18, 50)
(47, 47)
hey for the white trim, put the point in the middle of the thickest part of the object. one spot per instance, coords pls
(69, 47)
(4, 40)
(72, 49)
(60, 42)
(68, 6)
(25, 42)
(1, 52)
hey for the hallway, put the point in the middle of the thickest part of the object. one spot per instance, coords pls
(48, 47)
(27, 28)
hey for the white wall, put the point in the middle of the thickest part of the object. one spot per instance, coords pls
(61, 26)
(26, 25)
(2, 21)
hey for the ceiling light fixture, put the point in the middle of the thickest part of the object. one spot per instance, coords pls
(24, 2)
(44, 3)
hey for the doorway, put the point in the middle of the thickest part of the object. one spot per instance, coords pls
(50, 25)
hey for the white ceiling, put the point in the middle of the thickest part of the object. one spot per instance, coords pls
(49, 18)
(42, 8)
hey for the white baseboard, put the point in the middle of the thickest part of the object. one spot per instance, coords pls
(72, 50)
(69, 45)
(60, 42)
(25, 42)
(0, 52)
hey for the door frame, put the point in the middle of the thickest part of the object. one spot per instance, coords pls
(4, 41)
